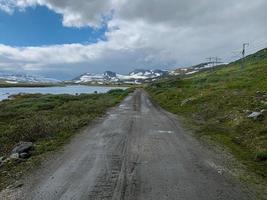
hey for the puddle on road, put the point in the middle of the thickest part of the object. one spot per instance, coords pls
(124, 107)
(158, 132)
(162, 131)
(113, 116)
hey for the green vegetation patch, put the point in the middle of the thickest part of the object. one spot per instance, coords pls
(217, 103)
(48, 121)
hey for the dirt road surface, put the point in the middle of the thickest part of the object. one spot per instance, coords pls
(137, 152)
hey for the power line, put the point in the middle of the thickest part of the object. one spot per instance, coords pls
(248, 48)
(214, 60)
(217, 60)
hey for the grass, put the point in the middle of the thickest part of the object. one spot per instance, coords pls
(214, 103)
(48, 121)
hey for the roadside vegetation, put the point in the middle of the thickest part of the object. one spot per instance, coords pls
(216, 104)
(48, 121)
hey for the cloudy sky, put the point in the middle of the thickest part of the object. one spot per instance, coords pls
(63, 38)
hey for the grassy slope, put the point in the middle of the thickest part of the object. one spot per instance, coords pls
(214, 103)
(48, 121)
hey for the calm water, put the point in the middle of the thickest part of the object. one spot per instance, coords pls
(73, 89)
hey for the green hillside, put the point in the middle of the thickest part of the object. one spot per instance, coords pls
(216, 105)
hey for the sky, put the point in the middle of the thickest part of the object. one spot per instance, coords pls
(64, 38)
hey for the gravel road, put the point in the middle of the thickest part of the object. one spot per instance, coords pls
(137, 152)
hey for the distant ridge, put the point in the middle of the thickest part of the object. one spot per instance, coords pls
(137, 76)
(24, 78)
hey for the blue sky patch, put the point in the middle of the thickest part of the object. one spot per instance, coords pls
(40, 26)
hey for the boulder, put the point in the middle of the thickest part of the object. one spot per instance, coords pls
(23, 147)
(258, 116)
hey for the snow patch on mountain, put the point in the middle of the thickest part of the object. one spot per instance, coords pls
(195, 69)
(24, 78)
(136, 77)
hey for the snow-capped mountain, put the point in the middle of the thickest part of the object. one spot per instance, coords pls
(136, 77)
(24, 78)
(107, 76)
(196, 68)
(145, 74)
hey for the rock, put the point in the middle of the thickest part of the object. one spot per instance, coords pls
(14, 156)
(259, 93)
(24, 155)
(1, 164)
(7, 160)
(186, 101)
(2, 159)
(258, 116)
(247, 112)
(17, 185)
(23, 147)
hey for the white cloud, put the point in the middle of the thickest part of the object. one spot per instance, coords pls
(76, 13)
(144, 34)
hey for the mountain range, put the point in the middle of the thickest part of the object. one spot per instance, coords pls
(137, 76)
(24, 78)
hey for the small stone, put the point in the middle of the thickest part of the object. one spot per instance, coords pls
(2, 158)
(23, 147)
(256, 116)
(14, 156)
(259, 93)
(24, 155)
(2, 161)
(7, 160)
(247, 112)
(186, 101)
(17, 185)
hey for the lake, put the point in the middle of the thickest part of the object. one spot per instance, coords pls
(71, 89)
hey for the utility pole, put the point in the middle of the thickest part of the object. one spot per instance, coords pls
(243, 55)
(217, 60)
(210, 61)
(214, 60)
